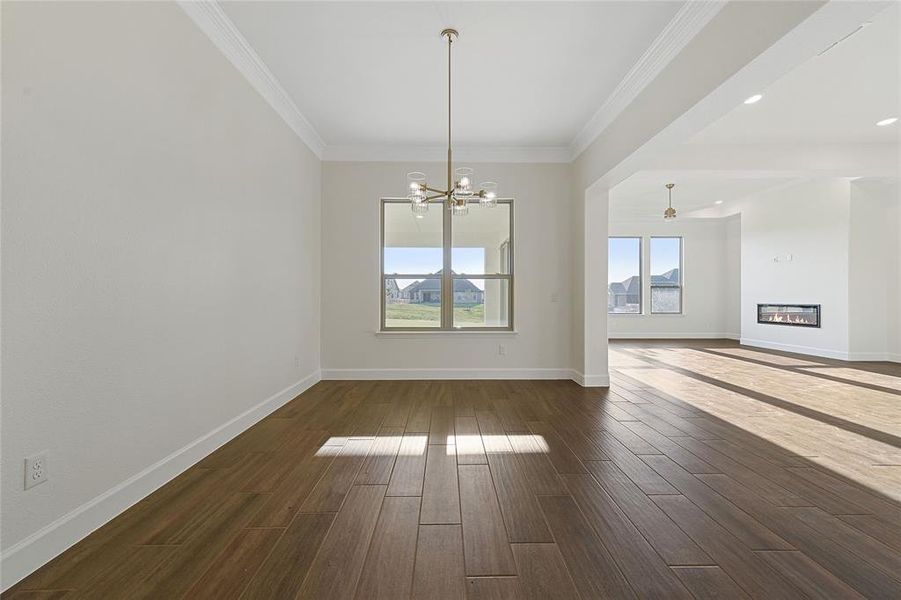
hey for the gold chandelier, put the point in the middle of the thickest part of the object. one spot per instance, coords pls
(459, 191)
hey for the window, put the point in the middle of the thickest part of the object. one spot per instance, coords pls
(446, 273)
(666, 275)
(624, 275)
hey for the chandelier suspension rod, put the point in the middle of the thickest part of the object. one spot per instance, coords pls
(450, 41)
(458, 193)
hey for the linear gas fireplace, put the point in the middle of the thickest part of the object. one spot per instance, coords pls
(796, 315)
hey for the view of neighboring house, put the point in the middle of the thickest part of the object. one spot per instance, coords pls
(428, 291)
(625, 296)
(670, 278)
(392, 291)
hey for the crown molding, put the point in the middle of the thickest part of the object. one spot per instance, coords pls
(684, 26)
(488, 154)
(216, 25)
(212, 20)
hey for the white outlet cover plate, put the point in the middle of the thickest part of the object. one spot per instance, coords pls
(35, 469)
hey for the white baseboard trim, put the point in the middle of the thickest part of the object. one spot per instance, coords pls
(825, 353)
(874, 356)
(669, 335)
(591, 380)
(24, 557)
(378, 374)
(809, 350)
(392, 374)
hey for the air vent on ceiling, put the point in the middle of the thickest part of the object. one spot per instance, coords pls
(842, 39)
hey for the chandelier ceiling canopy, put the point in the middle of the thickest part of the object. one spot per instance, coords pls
(460, 190)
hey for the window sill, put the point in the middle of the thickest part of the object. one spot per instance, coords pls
(646, 314)
(453, 332)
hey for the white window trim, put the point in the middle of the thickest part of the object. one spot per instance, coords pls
(641, 274)
(447, 303)
(644, 269)
(681, 277)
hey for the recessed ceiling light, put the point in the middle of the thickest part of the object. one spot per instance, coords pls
(718, 202)
(885, 122)
(754, 98)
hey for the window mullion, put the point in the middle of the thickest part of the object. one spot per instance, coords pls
(447, 282)
(383, 300)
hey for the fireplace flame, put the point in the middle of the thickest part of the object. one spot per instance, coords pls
(787, 319)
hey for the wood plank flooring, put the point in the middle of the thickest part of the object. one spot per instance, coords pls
(707, 470)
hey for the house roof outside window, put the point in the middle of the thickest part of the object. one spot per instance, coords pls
(434, 285)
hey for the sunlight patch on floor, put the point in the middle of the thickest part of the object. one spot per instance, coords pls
(416, 445)
(874, 409)
(859, 376)
(773, 359)
(804, 415)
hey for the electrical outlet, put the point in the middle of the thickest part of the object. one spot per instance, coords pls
(501, 350)
(555, 297)
(35, 469)
(296, 361)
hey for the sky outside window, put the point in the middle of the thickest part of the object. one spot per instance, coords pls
(624, 261)
(664, 254)
(624, 257)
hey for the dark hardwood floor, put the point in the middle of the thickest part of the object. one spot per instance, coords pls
(708, 470)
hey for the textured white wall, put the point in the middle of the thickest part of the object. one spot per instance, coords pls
(350, 266)
(711, 270)
(160, 248)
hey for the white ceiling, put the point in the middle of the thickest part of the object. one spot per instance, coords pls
(833, 98)
(525, 73)
(643, 196)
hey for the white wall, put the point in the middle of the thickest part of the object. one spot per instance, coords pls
(577, 269)
(808, 221)
(874, 270)
(733, 276)
(710, 280)
(843, 238)
(160, 259)
(894, 305)
(351, 346)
